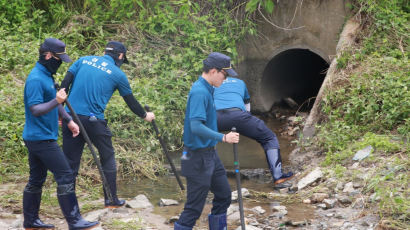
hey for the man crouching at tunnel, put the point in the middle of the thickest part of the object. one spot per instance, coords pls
(200, 163)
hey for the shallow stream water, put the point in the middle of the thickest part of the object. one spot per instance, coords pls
(251, 156)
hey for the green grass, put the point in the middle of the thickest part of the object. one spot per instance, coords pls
(371, 107)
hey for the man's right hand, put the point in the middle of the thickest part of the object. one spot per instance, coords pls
(232, 137)
(150, 116)
(61, 96)
(74, 128)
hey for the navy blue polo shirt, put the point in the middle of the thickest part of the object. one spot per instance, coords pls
(96, 79)
(39, 88)
(200, 106)
(231, 94)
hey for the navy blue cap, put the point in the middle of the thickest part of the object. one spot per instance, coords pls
(57, 47)
(116, 47)
(220, 61)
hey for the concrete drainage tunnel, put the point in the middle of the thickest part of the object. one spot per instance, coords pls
(294, 75)
(287, 60)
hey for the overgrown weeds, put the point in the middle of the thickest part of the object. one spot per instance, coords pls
(167, 41)
(372, 107)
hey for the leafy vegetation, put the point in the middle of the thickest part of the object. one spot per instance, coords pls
(167, 41)
(372, 106)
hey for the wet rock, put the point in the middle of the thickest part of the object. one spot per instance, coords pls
(258, 210)
(284, 190)
(344, 199)
(330, 214)
(250, 173)
(244, 191)
(310, 178)
(365, 224)
(363, 153)
(293, 131)
(322, 206)
(318, 197)
(337, 224)
(355, 165)
(167, 202)
(139, 202)
(348, 188)
(249, 227)
(3, 225)
(330, 203)
(323, 190)
(121, 210)
(253, 222)
(280, 209)
(293, 120)
(234, 216)
(96, 215)
(347, 225)
(359, 203)
(298, 223)
(339, 216)
(357, 185)
(18, 223)
(331, 184)
(339, 186)
(293, 188)
(12, 201)
(233, 208)
(172, 219)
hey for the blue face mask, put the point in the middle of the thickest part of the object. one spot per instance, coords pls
(51, 64)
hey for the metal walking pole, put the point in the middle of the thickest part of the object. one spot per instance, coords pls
(96, 160)
(238, 182)
(154, 125)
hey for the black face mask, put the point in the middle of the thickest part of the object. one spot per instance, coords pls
(118, 62)
(51, 64)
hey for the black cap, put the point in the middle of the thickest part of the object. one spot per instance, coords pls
(116, 48)
(220, 61)
(57, 47)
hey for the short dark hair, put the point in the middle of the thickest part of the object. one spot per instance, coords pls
(207, 68)
(42, 50)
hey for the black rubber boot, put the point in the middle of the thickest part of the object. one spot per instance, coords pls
(69, 207)
(111, 177)
(180, 227)
(31, 206)
(275, 166)
(217, 222)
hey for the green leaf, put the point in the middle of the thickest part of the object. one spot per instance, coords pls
(251, 5)
(269, 6)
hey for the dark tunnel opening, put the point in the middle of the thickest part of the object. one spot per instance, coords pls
(294, 75)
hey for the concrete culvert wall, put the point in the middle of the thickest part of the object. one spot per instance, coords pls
(291, 62)
(294, 74)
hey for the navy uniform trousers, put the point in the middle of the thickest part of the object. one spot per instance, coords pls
(204, 172)
(247, 125)
(47, 155)
(99, 134)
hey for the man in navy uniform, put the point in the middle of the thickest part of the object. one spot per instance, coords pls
(200, 163)
(232, 102)
(42, 105)
(93, 80)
